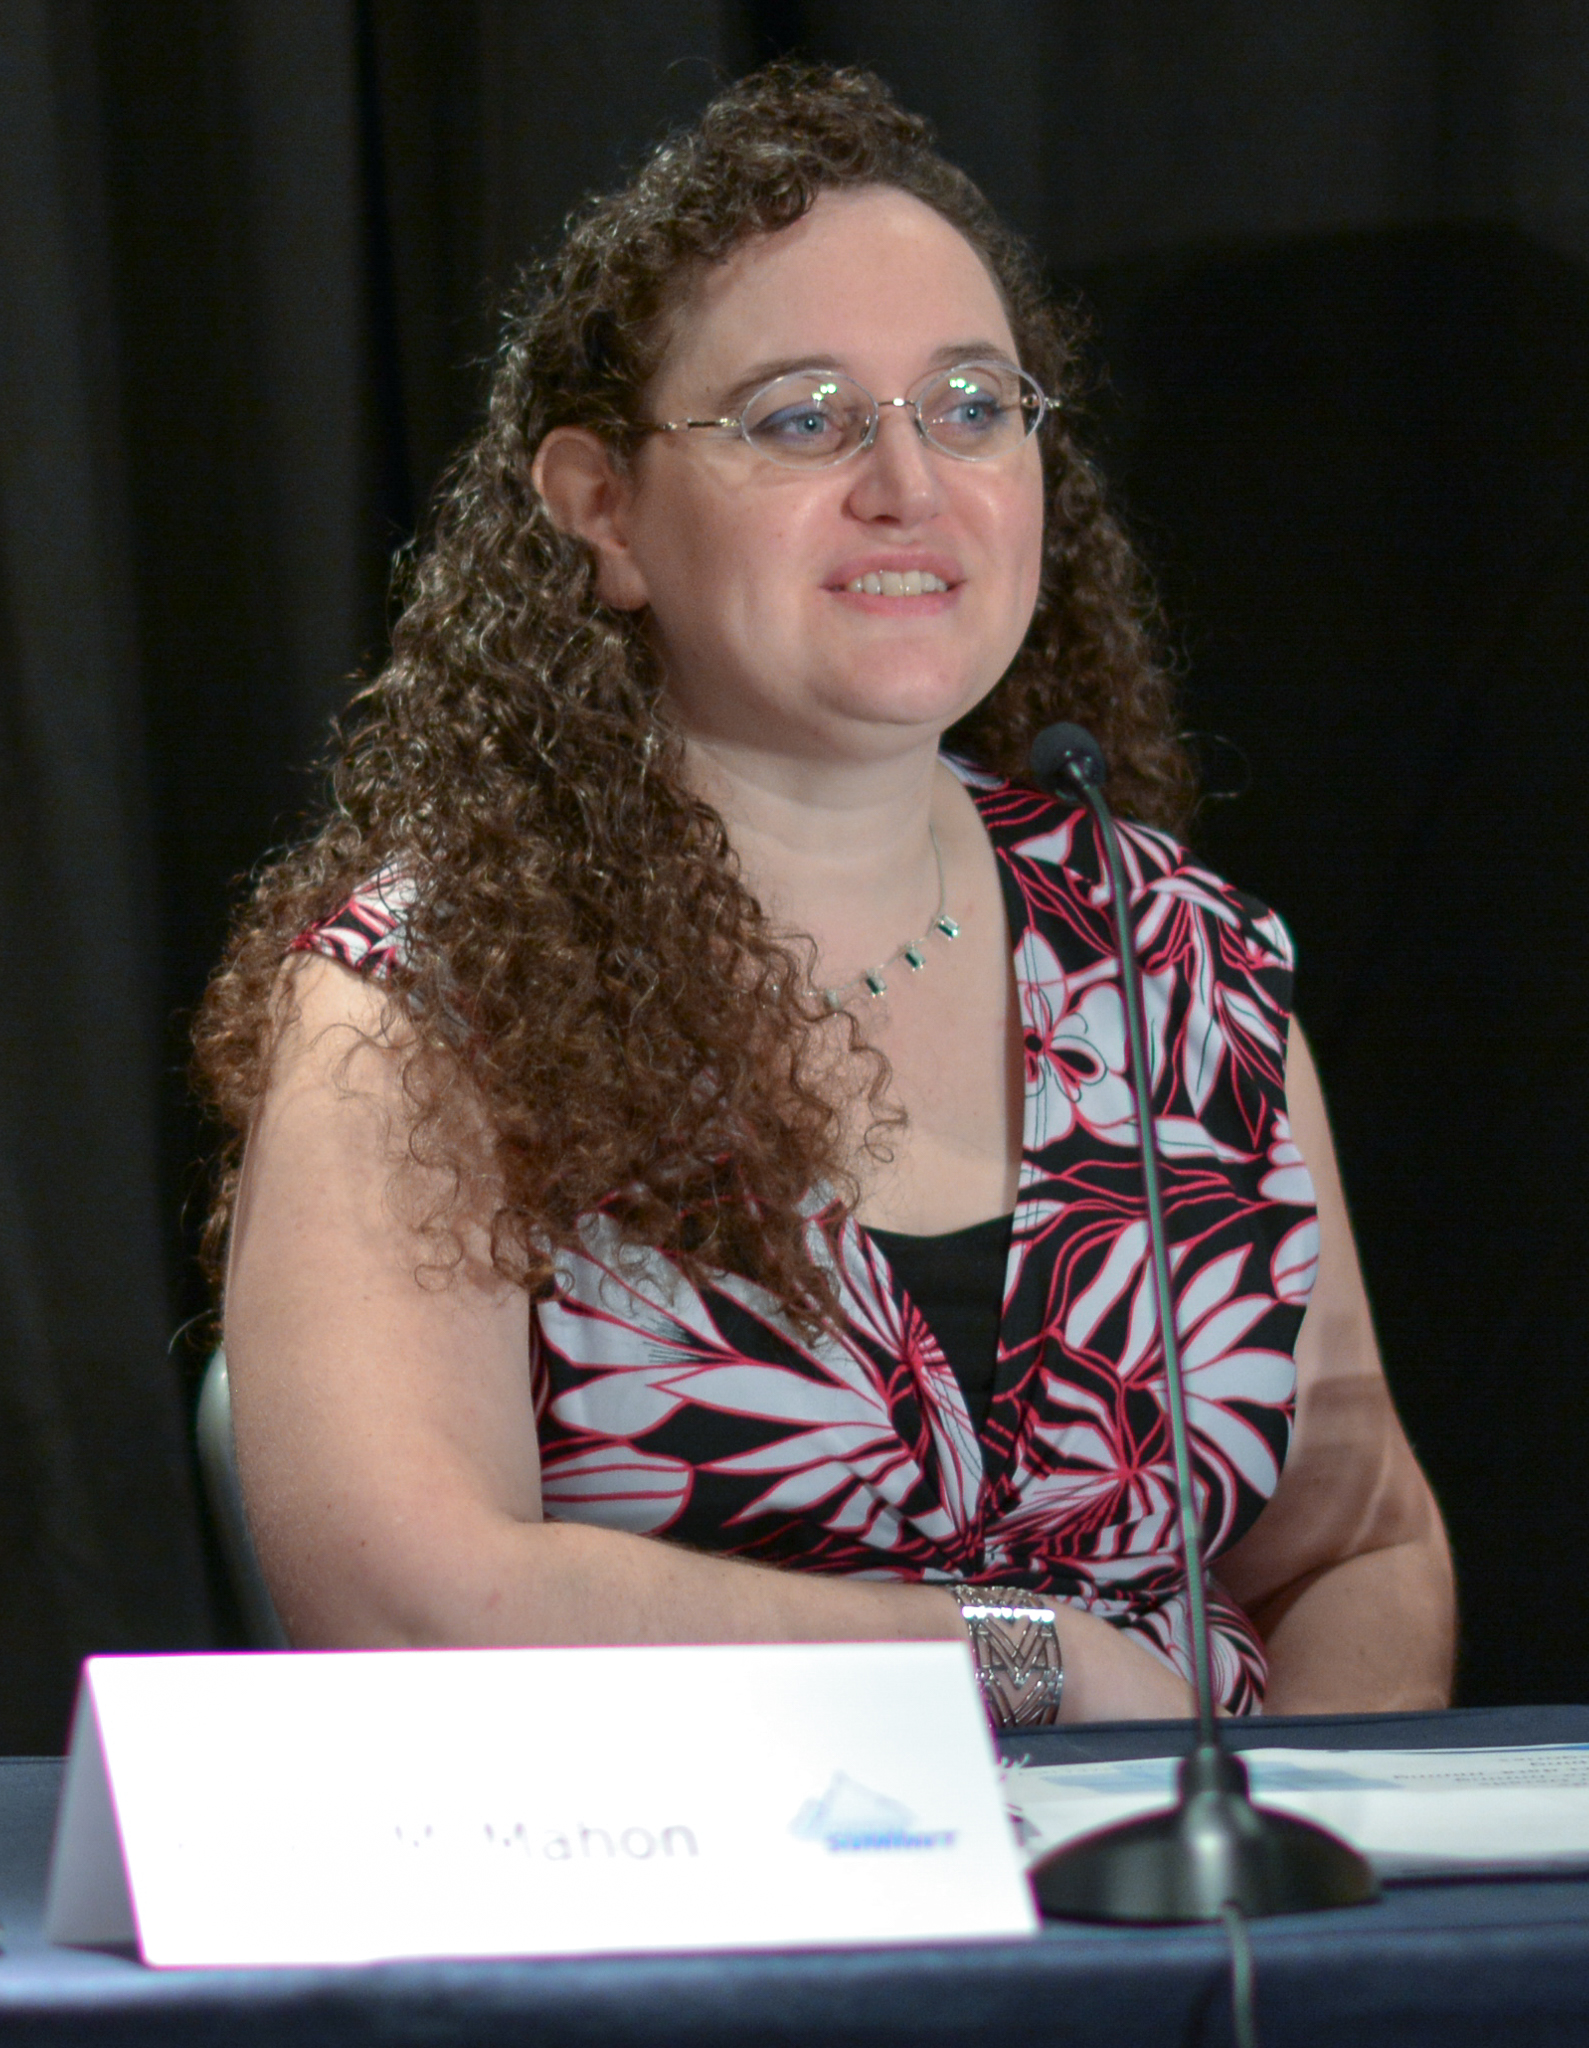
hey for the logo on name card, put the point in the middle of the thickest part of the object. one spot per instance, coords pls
(851, 1817)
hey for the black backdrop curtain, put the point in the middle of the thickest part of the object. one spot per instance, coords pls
(1339, 255)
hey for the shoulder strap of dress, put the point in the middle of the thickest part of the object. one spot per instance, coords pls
(369, 932)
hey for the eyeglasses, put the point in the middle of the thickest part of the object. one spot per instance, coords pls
(811, 419)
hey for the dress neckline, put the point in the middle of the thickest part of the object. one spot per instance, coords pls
(967, 1233)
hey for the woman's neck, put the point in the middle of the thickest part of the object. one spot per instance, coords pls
(841, 851)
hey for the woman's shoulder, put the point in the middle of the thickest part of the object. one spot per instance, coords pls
(1051, 851)
(369, 931)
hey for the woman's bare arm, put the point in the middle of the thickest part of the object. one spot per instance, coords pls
(386, 1434)
(1346, 1573)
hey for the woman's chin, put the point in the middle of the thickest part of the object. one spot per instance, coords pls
(908, 706)
(838, 716)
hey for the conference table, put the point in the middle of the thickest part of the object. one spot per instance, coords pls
(1446, 1963)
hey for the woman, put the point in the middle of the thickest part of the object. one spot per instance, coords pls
(690, 1190)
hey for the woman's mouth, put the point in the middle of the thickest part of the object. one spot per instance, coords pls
(897, 583)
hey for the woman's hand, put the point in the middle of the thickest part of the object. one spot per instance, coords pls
(1346, 1573)
(386, 1432)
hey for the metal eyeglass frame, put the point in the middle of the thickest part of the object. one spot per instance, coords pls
(1035, 403)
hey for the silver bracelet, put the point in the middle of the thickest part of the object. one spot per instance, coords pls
(1015, 1648)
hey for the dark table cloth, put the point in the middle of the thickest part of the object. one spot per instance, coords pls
(1444, 1964)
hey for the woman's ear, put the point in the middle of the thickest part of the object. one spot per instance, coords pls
(588, 495)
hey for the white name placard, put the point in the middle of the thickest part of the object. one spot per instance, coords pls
(360, 1806)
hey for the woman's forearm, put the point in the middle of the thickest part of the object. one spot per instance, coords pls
(564, 1583)
(1374, 1633)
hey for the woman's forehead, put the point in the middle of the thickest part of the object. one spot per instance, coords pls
(868, 279)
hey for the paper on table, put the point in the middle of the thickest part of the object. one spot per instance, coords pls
(1421, 1812)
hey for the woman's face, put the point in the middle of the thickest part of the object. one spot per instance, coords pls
(748, 566)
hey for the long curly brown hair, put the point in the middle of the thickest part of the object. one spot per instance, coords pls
(514, 762)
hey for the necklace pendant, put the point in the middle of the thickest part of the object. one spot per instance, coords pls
(913, 952)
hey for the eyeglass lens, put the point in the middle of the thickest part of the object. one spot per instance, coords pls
(816, 417)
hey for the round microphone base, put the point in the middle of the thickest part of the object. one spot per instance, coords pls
(1213, 1849)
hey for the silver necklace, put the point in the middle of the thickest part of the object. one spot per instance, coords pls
(912, 952)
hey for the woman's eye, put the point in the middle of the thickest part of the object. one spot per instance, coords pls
(798, 423)
(981, 413)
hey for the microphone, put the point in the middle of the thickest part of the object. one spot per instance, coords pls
(1214, 1851)
(1066, 757)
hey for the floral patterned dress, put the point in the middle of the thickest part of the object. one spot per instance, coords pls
(704, 1416)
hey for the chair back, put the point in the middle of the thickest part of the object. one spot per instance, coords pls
(224, 1493)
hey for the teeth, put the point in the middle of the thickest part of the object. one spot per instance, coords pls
(898, 583)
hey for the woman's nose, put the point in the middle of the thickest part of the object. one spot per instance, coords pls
(896, 478)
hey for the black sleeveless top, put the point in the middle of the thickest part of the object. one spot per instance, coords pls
(956, 1279)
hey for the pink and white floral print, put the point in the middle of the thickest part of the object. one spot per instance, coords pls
(704, 1416)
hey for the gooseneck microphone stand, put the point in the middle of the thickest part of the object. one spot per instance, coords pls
(1214, 1851)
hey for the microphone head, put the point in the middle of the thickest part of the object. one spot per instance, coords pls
(1067, 758)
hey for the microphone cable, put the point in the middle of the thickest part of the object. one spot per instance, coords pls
(1243, 1977)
